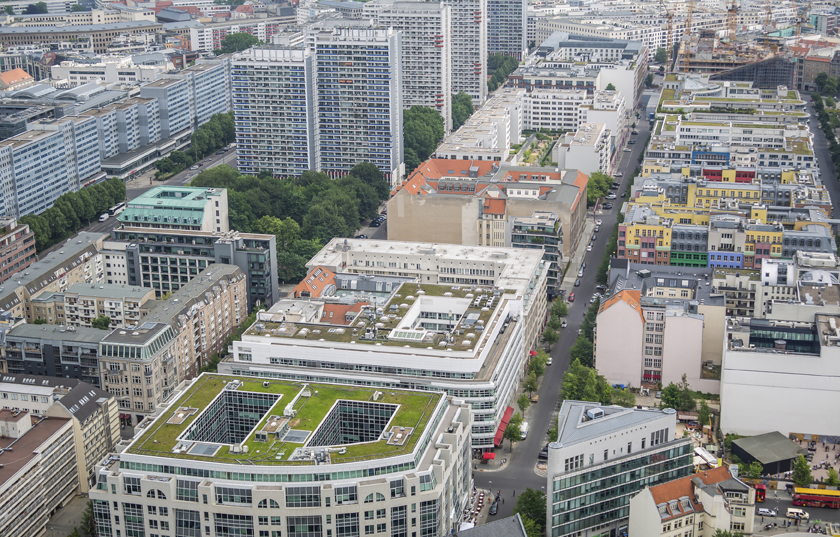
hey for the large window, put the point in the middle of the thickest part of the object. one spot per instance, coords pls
(303, 497)
(429, 519)
(187, 523)
(133, 516)
(399, 521)
(229, 525)
(347, 525)
(186, 491)
(346, 494)
(303, 526)
(230, 495)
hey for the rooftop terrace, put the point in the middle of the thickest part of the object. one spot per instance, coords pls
(291, 417)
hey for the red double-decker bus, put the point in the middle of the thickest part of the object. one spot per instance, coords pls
(816, 498)
(760, 492)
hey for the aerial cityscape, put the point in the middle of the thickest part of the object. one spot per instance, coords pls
(498, 268)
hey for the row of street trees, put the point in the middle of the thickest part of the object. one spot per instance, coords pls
(215, 134)
(501, 65)
(72, 211)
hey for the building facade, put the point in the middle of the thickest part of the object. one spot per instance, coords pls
(420, 483)
(608, 453)
(17, 247)
(469, 47)
(84, 303)
(507, 22)
(178, 208)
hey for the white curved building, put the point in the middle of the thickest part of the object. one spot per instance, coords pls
(237, 456)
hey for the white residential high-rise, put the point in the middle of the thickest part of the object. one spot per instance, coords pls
(358, 100)
(426, 54)
(469, 47)
(507, 27)
(274, 111)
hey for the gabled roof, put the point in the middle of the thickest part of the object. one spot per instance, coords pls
(494, 205)
(339, 312)
(629, 297)
(83, 400)
(14, 76)
(315, 283)
(674, 490)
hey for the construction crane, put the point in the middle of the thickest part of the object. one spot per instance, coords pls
(669, 39)
(801, 19)
(768, 27)
(687, 34)
(732, 21)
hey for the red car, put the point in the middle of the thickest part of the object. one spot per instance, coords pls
(571, 297)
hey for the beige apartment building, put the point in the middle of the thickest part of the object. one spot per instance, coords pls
(204, 312)
(122, 304)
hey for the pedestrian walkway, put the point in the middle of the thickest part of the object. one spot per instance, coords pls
(578, 256)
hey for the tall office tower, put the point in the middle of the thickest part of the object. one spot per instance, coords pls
(469, 47)
(426, 54)
(273, 108)
(358, 99)
(507, 27)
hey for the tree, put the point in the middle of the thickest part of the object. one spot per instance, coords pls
(77, 7)
(39, 321)
(752, 470)
(35, 9)
(530, 384)
(538, 364)
(610, 87)
(802, 472)
(582, 350)
(703, 414)
(624, 398)
(371, 175)
(649, 80)
(554, 322)
(830, 87)
(820, 80)
(532, 504)
(74, 533)
(597, 187)
(829, 103)
(833, 480)
(462, 109)
(661, 55)
(581, 383)
(670, 396)
(531, 527)
(550, 336)
(423, 131)
(513, 431)
(88, 524)
(102, 322)
(678, 396)
(559, 307)
(10, 10)
(238, 42)
(523, 403)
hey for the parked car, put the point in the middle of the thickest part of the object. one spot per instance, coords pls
(597, 228)
(583, 265)
(628, 150)
(594, 236)
(589, 248)
(624, 194)
(580, 273)
(793, 512)
(563, 324)
(608, 206)
(376, 223)
(618, 174)
(362, 236)
(572, 295)
(766, 512)
(597, 222)
(634, 132)
(577, 284)
(194, 167)
(494, 508)
(631, 142)
(611, 196)
(658, 395)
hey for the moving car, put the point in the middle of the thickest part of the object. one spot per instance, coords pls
(624, 194)
(597, 222)
(608, 206)
(494, 508)
(793, 512)
(563, 324)
(194, 167)
(766, 512)
(618, 174)
(634, 132)
(632, 142)
(103, 217)
(628, 150)
(362, 236)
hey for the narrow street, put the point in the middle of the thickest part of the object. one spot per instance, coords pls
(519, 472)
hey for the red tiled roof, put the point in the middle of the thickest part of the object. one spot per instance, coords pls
(630, 297)
(674, 490)
(494, 205)
(244, 9)
(581, 180)
(14, 76)
(192, 10)
(314, 283)
(335, 313)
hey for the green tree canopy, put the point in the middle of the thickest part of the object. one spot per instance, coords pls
(462, 109)
(538, 364)
(703, 414)
(513, 431)
(238, 42)
(678, 396)
(501, 66)
(523, 403)
(532, 503)
(581, 383)
(102, 322)
(36, 9)
(554, 322)
(661, 55)
(530, 384)
(77, 7)
(610, 87)
(423, 131)
(597, 187)
(550, 336)
(649, 80)
(559, 307)
(802, 472)
(833, 480)
(624, 398)
(820, 80)
(582, 351)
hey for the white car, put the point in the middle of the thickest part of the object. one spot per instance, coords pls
(549, 361)
(618, 174)
(766, 512)
(589, 248)
(597, 222)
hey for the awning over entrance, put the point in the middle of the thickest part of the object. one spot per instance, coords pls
(497, 440)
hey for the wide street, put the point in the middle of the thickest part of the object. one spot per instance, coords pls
(519, 472)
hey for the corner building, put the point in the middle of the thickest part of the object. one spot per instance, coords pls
(282, 462)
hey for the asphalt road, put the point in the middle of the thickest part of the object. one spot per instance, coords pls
(519, 472)
(826, 167)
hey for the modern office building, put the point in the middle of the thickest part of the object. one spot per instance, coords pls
(468, 20)
(96, 429)
(699, 505)
(100, 34)
(54, 351)
(17, 247)
(110, 70)
(38, 473)
(167, 259)
(775, 372)
(359, 102)
(588, 149)
(275, 122)
(507, 22)
(321, 460)
(178, 208)
(426, 54)
(603, 456)
(487, 308)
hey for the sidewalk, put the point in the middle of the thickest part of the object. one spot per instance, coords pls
(579, 255)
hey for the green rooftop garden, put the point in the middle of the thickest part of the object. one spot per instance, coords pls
(415, 410)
